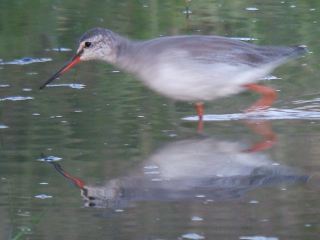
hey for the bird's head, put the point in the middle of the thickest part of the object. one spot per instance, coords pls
(95, 44)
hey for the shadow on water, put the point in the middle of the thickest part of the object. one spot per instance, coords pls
(199, 168)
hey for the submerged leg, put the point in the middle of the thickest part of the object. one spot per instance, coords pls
(269, 95)
(200, 110)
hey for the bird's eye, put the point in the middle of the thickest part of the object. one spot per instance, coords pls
(87, 44)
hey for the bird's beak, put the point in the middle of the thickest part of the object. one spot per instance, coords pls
(65, 68)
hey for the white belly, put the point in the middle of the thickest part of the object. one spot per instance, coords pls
(198, 82)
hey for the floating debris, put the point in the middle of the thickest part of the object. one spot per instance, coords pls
(26, 60)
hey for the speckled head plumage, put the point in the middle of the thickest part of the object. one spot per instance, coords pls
(98, 44)
(95, 44)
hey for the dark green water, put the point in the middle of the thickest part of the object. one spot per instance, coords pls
(147, 174)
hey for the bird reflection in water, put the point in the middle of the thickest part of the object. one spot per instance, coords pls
(198, 169)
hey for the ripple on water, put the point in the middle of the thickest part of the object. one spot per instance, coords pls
(16, 98)
(42, 196)
(49, 159)
(59, 49)
(252, 9)
(258, 238)
(193, 236)
(244, 38)
(26, 60)
(270, 114)
(70, 85)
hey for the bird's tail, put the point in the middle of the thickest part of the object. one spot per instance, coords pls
(298, 50)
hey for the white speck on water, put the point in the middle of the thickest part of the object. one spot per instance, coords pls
(35, 114)
(151, 172)
(196, 219)
(200, 196)
(254, 202)
(119, 210)
(312, 9)
(4, 85)
(308, 225)
(275, 164)
(187, 11)
(49, 159)
(293, 6)
(193, 236)
(2, 126)
(24, 229)
(283, 189)
(264, 220)
(258, 238)
(64, 121)
(26, 60)
(16, 98)
(140, 116)
(26, 89)
(252, 9)
(32, 73)
(23, 213)
(115, 71)
(43, 196)
(43, 183)
(78, 111)
(151, 167)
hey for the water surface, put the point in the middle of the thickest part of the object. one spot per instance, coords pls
(98, 156)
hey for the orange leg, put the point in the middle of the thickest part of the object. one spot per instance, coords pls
(200, 110)
(269, 95)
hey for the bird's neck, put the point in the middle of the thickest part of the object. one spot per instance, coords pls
(126, 53)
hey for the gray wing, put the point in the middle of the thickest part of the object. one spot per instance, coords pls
(214, 49)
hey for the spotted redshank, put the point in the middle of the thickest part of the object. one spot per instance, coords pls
(193, 68)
